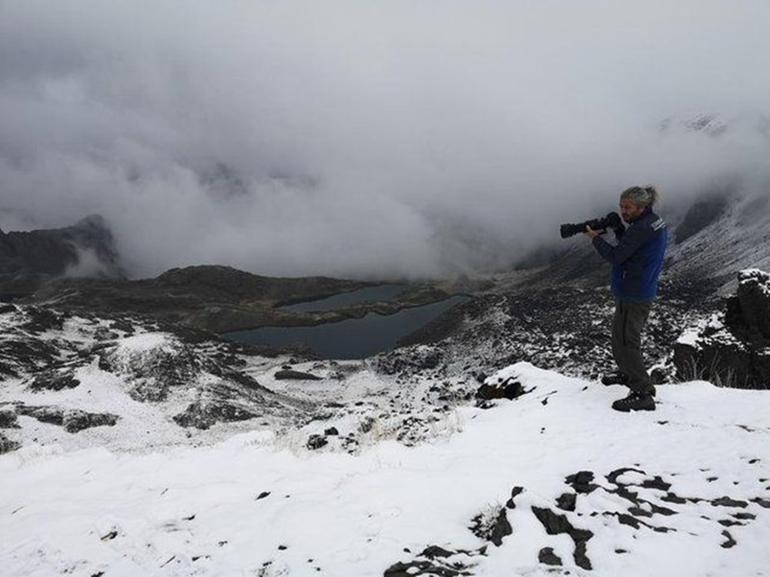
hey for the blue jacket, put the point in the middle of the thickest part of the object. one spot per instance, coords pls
(637, 260)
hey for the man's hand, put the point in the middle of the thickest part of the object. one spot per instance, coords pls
(592, 233)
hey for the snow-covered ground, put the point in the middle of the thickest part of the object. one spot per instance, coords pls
(683, 491)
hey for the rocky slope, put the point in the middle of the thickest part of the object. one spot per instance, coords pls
(78, 269)
(29, 258)
(77, 380)
(219, 298)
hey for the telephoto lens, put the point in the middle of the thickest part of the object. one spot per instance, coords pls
(612, 220)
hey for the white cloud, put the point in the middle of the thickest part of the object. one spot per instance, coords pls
(364, 139)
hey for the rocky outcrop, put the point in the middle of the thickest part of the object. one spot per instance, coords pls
(509, 388)
(192, 378)
(732, 348)
(202, 415)
(27, 259)
(491, 526)
(702, 213)
(8, 419)
(53, 381)
(220, 299)
(72, 420)
(7, 445)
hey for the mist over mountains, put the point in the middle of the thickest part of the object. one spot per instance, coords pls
(369, 141)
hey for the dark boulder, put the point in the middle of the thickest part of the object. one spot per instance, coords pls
(53, 381)
(748, 313)
(409, 360)
(51, 415)
(316, 442)
(72, 420)
(202, 415)
(491, 527)
(567, 501)
(510, 388)
(8, 420)
(548, 557)
(287, 374)
(515, 492)
(555, 524)
(733, 348)
(582, 482)
(7, 445)
(75, 420)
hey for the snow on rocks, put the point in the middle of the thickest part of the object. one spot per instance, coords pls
(731, 348)
(68, 379)
(522, 487)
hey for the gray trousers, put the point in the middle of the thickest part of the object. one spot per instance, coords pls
(630, 318)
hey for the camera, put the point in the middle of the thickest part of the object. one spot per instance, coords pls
(611, 221)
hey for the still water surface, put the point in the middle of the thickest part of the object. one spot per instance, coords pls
(351, 338)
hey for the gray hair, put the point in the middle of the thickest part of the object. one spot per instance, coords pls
(641, 195)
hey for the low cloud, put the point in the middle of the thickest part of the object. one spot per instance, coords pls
(369, 140)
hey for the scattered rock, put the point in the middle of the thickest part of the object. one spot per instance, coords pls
(316, 442)
(73, 420)
(8, 420)
(547, 556)
(673, 498)
(41, 320)
(515, 492)
(434, 560)
(409, 360)
(434, 551)
(53, 381)
(508, 389)
(744, 516)
(7, 445)
(656, 483)
(7, 309)
(567, 501)
(730, 522)
(581, 482)
(203, 415)
(491, 526)
(51, 415)
(284, 375)
(555, 524)
(728, 502)
(76, 420)
(730, 541)
(366, 425)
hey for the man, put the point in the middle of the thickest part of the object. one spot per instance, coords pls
(637, 261)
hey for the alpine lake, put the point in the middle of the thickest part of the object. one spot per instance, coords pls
(355, 338)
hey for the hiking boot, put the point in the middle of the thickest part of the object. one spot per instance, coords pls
(615, 378)
(635, 402)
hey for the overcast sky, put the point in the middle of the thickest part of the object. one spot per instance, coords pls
(368, 139)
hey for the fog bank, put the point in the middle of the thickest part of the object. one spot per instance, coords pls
(369, 140)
